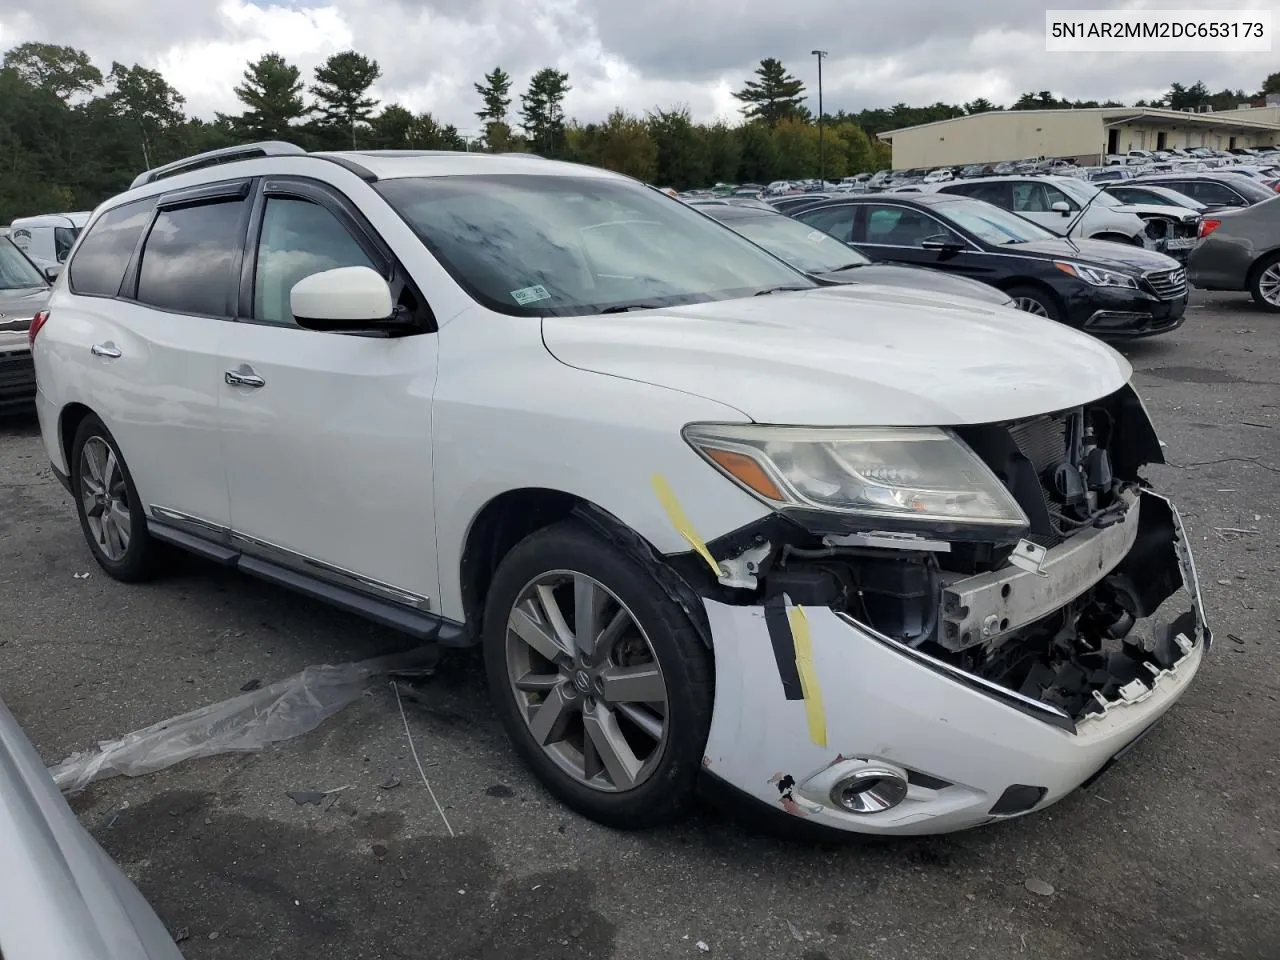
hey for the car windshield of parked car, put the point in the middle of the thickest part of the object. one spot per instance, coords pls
(803, 247)
(16, 271)
(990, 223)
(536, 245)
(1082, 193)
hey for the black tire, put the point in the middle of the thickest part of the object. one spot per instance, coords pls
(1255, 283)
(138, 561)
(1047, 301)
(686, 664)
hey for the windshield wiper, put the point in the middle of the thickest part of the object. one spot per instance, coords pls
(785, 288)
(628, 307)
(847, 266)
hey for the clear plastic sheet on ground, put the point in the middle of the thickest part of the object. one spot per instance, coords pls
(244, 724)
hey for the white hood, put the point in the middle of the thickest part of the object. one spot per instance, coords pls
(854, 356)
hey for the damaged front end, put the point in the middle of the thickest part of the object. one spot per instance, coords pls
(1060, 617)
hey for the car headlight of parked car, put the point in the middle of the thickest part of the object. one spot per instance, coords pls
(917, 476)
(1096, 275)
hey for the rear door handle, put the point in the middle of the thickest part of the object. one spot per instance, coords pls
(107, 350)
(244, 377)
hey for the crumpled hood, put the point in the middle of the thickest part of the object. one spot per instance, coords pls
(849, 355)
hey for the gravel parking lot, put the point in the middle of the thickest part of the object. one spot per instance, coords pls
(1174, 853)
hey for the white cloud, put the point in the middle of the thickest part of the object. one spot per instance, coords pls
(637, 55)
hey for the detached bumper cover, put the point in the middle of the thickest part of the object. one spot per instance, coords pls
(806, 696)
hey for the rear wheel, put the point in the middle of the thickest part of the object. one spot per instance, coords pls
(601, 681)
(1265, 285)
(111, 515)
(1035, 300)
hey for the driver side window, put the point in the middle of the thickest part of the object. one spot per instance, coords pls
(298, 238)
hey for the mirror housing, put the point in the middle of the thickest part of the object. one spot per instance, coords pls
(345, 298)
(1062, 207)
(52, 272)
(942, 243)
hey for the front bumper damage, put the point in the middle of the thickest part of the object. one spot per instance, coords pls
(813, 703)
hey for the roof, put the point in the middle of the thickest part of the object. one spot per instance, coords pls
(1107, 115)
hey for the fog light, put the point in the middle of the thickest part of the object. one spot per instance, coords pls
(870, 790)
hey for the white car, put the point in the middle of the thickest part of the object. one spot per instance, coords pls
(47, 238)
(1075, 208)
(852, 551)
(939, 176)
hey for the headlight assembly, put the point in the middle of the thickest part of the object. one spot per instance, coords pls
(880, 477)
(1096, 275)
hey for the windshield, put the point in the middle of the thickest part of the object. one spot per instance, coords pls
(1083, 192)
(16, 271)
(574, 246)
(990, 223)
(803, 247)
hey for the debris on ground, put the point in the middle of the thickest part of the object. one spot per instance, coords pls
(500, 790)
(390, 784)
(1041, 887)
(303, 797)
(702, 946)
(254, 684)
(244, 724)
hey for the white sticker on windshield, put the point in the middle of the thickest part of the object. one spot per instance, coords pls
(527, 295)
(817, 236)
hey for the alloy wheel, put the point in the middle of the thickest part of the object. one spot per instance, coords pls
(106, 499)
(1269, 284)
(586, 681)
(1031, 305)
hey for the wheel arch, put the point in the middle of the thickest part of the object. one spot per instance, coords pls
(1012, 283)
(69, 421)
(513, 515)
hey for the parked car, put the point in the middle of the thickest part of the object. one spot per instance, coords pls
(705, 516)
(47, 239)
(942, 175)
(1149, 193)
(24, 292)
(820, 255)
(795, 200)
(1240, 250)
(1213, 188)
(1071, 207)
(1107, 289)
(64, 897)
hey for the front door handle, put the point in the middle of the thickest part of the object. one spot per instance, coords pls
(244, 377)
(108, 350)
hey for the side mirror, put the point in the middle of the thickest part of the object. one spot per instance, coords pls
(52, 272)
(1062, 207)
(942, 243)
(345, 298)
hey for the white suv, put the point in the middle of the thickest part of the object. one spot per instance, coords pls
(869, 556)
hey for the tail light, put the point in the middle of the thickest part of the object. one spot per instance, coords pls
(1208, 225)
(37, 322)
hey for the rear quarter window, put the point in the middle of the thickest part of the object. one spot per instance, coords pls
(98, 266)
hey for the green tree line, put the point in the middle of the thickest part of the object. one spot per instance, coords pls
(72, 134)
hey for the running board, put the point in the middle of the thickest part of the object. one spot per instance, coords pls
(416, 623)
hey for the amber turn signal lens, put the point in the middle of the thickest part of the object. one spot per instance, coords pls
(747, 471)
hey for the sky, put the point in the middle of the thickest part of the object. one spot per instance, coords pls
(637, 54)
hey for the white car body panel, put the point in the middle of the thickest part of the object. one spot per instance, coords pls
(850, 356)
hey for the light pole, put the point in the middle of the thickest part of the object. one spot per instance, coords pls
(822, 148)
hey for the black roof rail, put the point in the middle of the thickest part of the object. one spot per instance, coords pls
(247, 151)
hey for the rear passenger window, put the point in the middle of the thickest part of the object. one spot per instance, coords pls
(98, 266)
(188, 259)
(837, 221)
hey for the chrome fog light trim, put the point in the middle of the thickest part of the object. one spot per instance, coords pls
(871, 790)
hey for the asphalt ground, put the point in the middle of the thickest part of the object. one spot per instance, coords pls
(1174, 853)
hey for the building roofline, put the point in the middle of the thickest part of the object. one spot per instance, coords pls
(1132, 113)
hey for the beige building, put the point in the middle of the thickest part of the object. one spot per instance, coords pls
(1084, 136)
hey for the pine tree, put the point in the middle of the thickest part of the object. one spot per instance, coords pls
(496, 93)
(774, 96)
(341, 91)
(542, 110)
(272, 92)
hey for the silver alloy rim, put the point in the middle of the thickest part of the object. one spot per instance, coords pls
(1269, 284)
(1031, 306)
(586, 681)
(105, 498)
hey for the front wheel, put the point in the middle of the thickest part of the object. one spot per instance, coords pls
(1265, 285)
(1035, 300)
(602, 682)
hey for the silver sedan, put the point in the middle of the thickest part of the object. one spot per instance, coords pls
(1239, 249)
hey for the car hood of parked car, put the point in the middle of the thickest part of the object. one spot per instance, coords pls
(919, 278)
(17, 307)
(64, 898)
(852, 355)
(1097, 253)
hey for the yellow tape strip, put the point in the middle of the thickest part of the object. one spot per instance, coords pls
(808, 676)
(667, 497)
